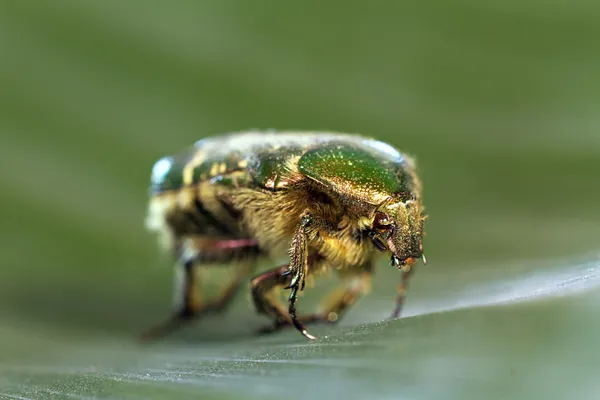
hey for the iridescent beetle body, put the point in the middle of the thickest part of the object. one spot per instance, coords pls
(330, 201)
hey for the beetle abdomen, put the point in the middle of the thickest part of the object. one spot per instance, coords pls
(192, 167)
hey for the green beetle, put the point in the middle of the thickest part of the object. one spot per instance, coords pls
(331, 201)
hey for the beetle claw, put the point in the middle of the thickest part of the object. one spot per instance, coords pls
(308, 335)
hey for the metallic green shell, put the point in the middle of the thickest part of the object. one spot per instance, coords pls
(369, 169)
(194, 165)
(261, 154)
(167, 172)
(353, 165)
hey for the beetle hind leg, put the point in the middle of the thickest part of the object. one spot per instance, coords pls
(188, 305)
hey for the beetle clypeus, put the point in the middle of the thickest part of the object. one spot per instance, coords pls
(332, 201)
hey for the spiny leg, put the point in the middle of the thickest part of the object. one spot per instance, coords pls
(263, 286)
(300, 263)
(298, 270)
(189, 305)
(334, 306)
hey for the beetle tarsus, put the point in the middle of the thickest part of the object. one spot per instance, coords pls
(308, 335)
(299, 269)
(296, 322)
(281, 324)
(333, 307)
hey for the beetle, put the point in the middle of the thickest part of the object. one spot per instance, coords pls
(332, 201)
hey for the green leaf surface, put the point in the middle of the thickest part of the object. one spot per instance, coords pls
(531, 337)
(497, 101)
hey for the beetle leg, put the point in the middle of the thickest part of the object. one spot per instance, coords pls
(220, 251)
(335, 305)
(299, 269)
(338, 302)
(185, 281)
(262, 288)
(407, 272)
(292, 276)
(188, 305)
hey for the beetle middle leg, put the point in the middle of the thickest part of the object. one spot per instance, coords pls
(196, 253)
(339, 301)
(336, 303)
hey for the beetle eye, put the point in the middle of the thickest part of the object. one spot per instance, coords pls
(381, 221)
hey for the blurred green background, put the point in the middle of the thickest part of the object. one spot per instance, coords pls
(497, 100)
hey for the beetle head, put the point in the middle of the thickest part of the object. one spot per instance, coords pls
(398, 227)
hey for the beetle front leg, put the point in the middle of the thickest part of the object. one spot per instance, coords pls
(299, 269)
(292, 276)
(407, 272)
(336, 304)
